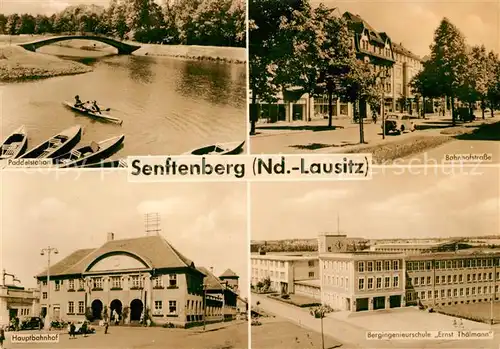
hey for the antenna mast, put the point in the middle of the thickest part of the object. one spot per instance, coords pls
(152, 223)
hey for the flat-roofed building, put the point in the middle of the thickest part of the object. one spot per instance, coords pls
(415, 247)
(358, 281)
(17, 302)
(452, 278)
(284, 269)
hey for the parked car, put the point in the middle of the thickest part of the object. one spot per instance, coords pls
(398, 123)
(33, 323)
(79, 327)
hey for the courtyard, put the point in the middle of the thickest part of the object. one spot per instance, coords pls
(231, 336)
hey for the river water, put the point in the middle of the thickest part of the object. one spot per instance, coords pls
(168, 106)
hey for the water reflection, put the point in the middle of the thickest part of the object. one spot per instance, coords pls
(141, 69)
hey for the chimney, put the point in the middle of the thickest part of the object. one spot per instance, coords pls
(111, 236)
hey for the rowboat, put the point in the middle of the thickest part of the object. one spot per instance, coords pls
(231, 148)
(89, 154)
(92, 113)
(14, 145)
(59, 144)
(117, 163)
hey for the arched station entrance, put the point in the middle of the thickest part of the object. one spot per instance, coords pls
(97, 309)
(136, 308)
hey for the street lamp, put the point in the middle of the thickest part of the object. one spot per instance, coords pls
(49, 250)
(320, 313)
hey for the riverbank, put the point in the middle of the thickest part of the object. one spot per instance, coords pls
(18, 64)
(235, 55)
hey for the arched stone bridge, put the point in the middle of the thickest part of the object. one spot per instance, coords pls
(123, 48)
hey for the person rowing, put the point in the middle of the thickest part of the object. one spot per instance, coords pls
(95, 107)
(78, 102)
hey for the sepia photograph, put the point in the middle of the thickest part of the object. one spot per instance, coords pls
(89, 82)
(405, 81)
(333, 263)
(124, 265)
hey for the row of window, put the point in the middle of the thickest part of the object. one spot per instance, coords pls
(365, 45)
(336, 281)
(453, 279)
(135, 281)
(275, 264)
(71, 307)
(467, 291)
(452, 264)
(378, 283)
(369, 266)
(25, 311)
(265, 273)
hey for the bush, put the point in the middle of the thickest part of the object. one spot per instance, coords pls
(256, 323)
(168, 325)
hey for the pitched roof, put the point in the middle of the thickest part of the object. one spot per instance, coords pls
(229, 274)
(212, 281)
(399, 48)
(155, 251)
(358, 24)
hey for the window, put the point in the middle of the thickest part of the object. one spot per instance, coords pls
(473, 277)
(71, 284)
(379, 283)
(473, 291)
(454, 279)
(172, 307)
(415, 281)
(97, 283)
(443, 279)
(468, 277)
(429, 280)
(449, 279)
(395, 265)
(44, 283)
(442, 294)
(387, 282)
(429, 294)
(428, 267)
(58, 285)
(158, 281)
(370, 283)
(311, 274)
(455, 292)
(44, 295)
(422, 280)
(449, 293)
(369, 266)
(490, 276)
(479, 290)
(460, 278)
(158, 306)
(448, 264)
(454, 264)
(479, 277)
(466, 291)
(396, 281)
(437, 279)
(436, 294)
(311, 263)
(378, 266)
(461, 292)
(81, 284)
(71, 307)
(361, 267)
(116, 282)
(81, 307)
(422, 295)
(361, 284)
(443, 264)
(172, 280)
(409, 266)
(136, 281)
(387, 265)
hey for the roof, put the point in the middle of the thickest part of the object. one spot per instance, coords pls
(211, 281)
(413, 244)
(469, 253)
(281, 257)
(358, 24)
(399, 48)
(229, 274)
(311, 283)
(155, 251)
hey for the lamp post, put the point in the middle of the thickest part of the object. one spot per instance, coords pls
(320, 313)
(48, 251)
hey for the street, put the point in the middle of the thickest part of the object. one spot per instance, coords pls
(234, 336)
(435, 136)
(351, 329)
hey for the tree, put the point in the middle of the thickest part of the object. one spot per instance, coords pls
(12, 24)
(493, 93)
(320, 313)
(449, 61)
(265, 20)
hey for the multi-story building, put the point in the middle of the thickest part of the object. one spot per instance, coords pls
(284, 269)
(406, 66)
(373, 47)
(360, 281)
(415, 247)
(452, 278)
(129, 277)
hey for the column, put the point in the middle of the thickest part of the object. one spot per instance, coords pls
(387, 302)
(337, 105)
(403, 301)
(370, 303)
(288, 111)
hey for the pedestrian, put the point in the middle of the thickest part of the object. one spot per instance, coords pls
(72, 329)
(106, 325)
(2, 336)
(84, 328)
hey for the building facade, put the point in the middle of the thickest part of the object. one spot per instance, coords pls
(452, 278)
(372, 47)
(132, 278)
(283, 270)
(17, 302)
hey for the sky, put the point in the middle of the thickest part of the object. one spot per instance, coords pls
(413, 22)
(396, 203)
(72, 210)
(46, 7)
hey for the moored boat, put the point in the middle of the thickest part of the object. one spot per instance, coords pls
(89, 154)
(116, 163)
(56, 145)
(231, 148)
(15, 144)
(93, 114)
